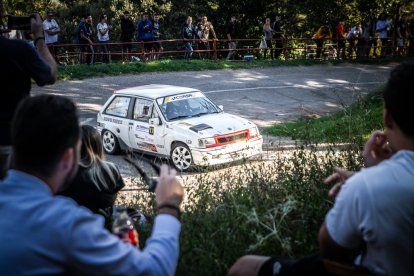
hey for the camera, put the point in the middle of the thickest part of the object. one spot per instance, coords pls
(19, 22)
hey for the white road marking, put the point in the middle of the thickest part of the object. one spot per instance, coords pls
(293, 86)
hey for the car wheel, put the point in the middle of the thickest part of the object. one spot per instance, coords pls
(110, 142)
(181, 156)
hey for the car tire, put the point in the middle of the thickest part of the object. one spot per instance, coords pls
(110, 142)
(181, 156)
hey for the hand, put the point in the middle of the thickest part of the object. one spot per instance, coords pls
(376, 149)
(169, 190)
(36, 25)
(338, 177)
(248, 265)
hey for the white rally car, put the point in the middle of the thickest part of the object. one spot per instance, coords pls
(179, 123)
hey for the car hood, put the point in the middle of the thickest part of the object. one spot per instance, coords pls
(213, 124)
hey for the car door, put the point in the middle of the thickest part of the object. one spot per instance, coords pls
(115, 117)
(139, 130)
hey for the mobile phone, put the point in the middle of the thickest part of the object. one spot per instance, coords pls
(18, 22)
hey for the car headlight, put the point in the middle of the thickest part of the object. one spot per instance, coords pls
(206, 142)
(253, 132)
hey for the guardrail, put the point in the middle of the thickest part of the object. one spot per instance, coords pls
(292, 48)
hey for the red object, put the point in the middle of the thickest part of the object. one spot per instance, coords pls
(132, 239)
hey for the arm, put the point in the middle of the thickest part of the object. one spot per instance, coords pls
(43, 51)
(331, 250)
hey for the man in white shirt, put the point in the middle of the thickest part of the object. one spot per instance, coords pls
(51, 28)
(103, 37)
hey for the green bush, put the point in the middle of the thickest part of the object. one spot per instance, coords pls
(270, 208)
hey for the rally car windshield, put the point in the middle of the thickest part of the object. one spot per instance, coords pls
(186, 106)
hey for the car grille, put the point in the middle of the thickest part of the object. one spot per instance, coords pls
(232, 138)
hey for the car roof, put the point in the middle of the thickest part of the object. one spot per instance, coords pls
(154, 91)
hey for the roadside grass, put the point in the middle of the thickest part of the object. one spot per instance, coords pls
(114, 69)
(354, 122)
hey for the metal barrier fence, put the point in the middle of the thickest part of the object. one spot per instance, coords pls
(292, 48)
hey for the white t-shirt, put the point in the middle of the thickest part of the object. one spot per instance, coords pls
(50, 25)
(376, 207)
(104, 27)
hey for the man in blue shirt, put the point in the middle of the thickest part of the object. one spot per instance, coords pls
(46, 234)
(145, 32)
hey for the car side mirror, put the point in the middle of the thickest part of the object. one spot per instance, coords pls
(221, 107)
(155, 121)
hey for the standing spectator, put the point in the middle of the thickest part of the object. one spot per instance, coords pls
(371, 41)
(268, 34)
(85, 31)
(103, 37)
(401, 32)
(353, 37)
(156, 31)
(203, 30)
(19, 64)
(188, 32)
(51, 28)
(145, 33)
(372, 221)
(52, 234)
(97, 181)
(277, 36)
(323, 34)
(127, 33)
(232, 35)
(382, 27)
(341, 39)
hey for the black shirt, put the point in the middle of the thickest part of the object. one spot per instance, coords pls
(19, 63)
(127, 30)
(232, 30)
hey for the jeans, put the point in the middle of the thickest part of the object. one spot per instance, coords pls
(232, 45)
(90, 53)
(188, 50)
(105, 52)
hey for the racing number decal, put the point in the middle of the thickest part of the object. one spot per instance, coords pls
(151, 130)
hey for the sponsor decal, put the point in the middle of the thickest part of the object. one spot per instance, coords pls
(160, 146)
(113, 120)
(183, 97)
(140, 128)
(151, 130)
(146, 146)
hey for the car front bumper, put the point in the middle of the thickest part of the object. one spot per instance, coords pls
(227, 153)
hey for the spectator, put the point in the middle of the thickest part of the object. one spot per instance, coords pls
(232, 34)
(341, 39)
(188, 32)
(323, 34)
(156, 31)
(19, 63)
(145, 33)
(97, 181)
(85, 31)
(353, 37)
(103, 37)
(368, 34)
(59, 236)
(382, 27)
(401, 32)
(51, 28)
(268, 34)
(277, 36)
(372, 220)
(203, 31)
(127, 33)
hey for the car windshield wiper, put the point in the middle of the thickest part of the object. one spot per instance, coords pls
(178, 117)
(201, 113)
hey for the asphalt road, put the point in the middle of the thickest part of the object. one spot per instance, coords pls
(266, 96)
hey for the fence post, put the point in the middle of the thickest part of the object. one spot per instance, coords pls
(214, 49)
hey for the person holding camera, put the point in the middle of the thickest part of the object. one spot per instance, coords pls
(52, 234)
(51, 28)
(19, 64)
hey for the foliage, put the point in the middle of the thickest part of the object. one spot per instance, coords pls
(300, 18)
(354, 122)
(267, 208)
